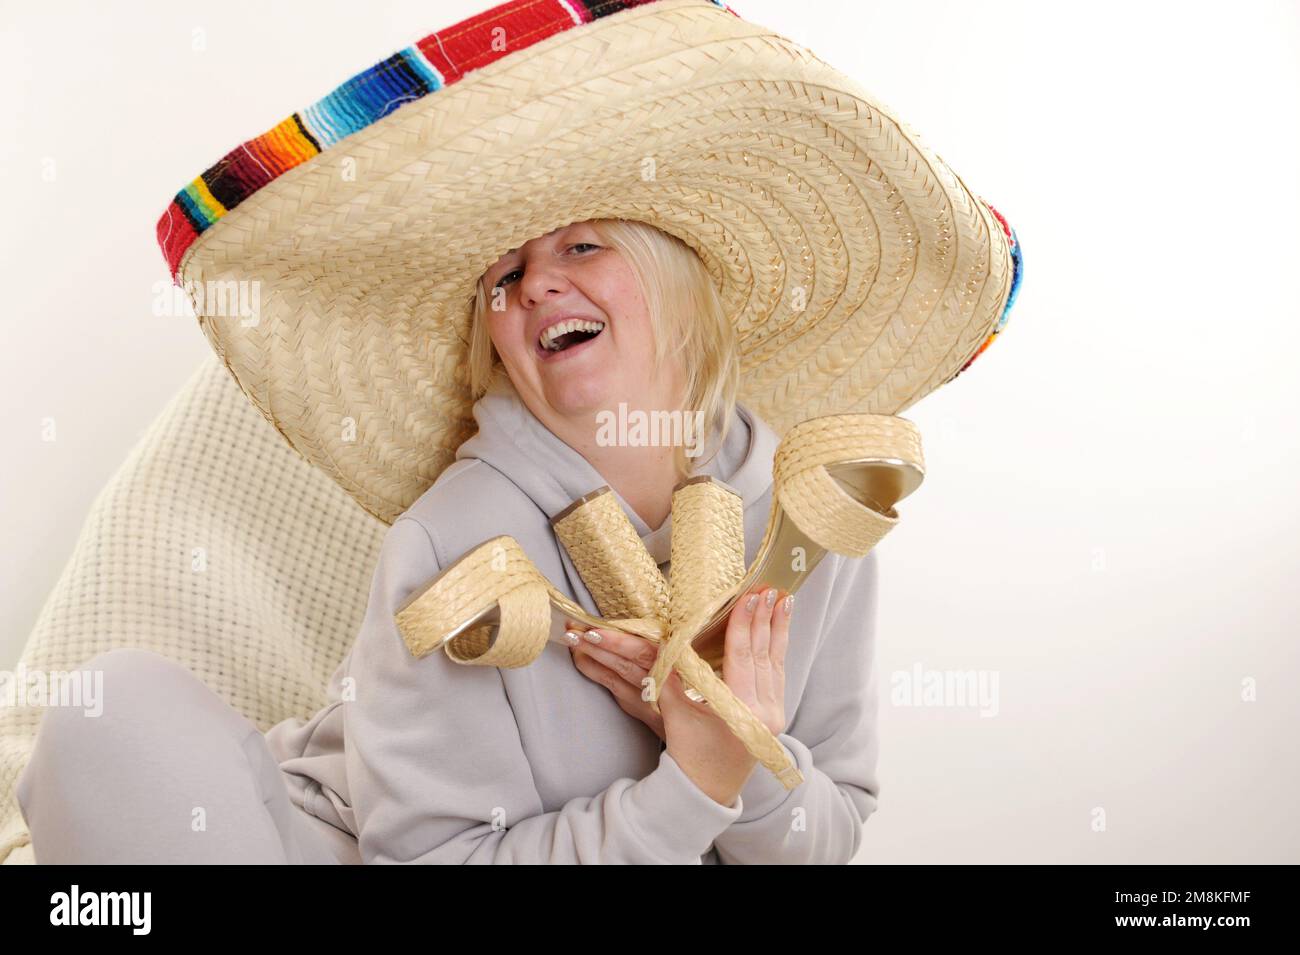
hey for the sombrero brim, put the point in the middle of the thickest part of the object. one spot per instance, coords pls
(860, 272)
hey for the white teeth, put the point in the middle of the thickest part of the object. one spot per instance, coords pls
(549, 335)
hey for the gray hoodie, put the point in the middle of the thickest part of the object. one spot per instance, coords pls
(432, 761)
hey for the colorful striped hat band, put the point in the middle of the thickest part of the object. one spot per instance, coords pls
(859, 271)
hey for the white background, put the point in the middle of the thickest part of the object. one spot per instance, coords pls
(1109, 520)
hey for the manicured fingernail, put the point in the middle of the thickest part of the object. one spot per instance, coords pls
(593, 635)
(751, 603)
(788, 604)
(770, 597)
(571, 638)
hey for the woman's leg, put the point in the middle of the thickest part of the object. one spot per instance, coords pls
(167, 772)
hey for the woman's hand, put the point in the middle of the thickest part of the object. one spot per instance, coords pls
(699, 741)
(619, 662)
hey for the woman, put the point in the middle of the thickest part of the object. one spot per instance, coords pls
(428, 761)
(606, 274)
(721, 215)
(542, 763)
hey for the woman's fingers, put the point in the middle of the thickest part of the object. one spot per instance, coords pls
(757, 636)
(613, 681)
(629, 670)
(780, 639)
(634, 649)
(761, 639)
(623, 660)
(738, 649)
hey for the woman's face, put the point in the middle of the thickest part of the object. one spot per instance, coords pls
(570, 274)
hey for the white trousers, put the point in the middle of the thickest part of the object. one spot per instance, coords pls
(168, 773)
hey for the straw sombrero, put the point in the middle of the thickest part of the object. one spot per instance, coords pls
(860, 271)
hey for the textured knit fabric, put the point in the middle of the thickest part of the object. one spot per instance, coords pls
(446, 763)
(218, 547)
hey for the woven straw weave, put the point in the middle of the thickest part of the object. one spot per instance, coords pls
(708, 546)
(288, 558)
(612, 560)
(783, 174)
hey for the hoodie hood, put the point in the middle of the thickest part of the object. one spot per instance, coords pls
(554, 475)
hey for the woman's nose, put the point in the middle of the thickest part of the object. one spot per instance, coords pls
(538, 282)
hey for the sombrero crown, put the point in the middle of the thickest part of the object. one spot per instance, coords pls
(859, 271)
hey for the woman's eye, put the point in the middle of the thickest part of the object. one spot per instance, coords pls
(502, 281)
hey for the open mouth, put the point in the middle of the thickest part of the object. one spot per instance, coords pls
(568, 336)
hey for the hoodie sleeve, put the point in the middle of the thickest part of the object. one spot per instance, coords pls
(437, 772)
(833, 739)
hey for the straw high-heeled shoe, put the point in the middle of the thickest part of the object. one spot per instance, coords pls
(836, 480)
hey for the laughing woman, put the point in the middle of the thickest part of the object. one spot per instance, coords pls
(471, 255)
(561, 761)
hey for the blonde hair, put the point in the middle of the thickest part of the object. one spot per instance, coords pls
(689, 323)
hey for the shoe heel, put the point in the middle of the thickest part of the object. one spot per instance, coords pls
(707, 551)
(609, 555)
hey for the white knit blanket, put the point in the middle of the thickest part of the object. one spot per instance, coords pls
(216, 545)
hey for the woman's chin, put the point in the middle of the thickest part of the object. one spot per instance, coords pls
(590, 389)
